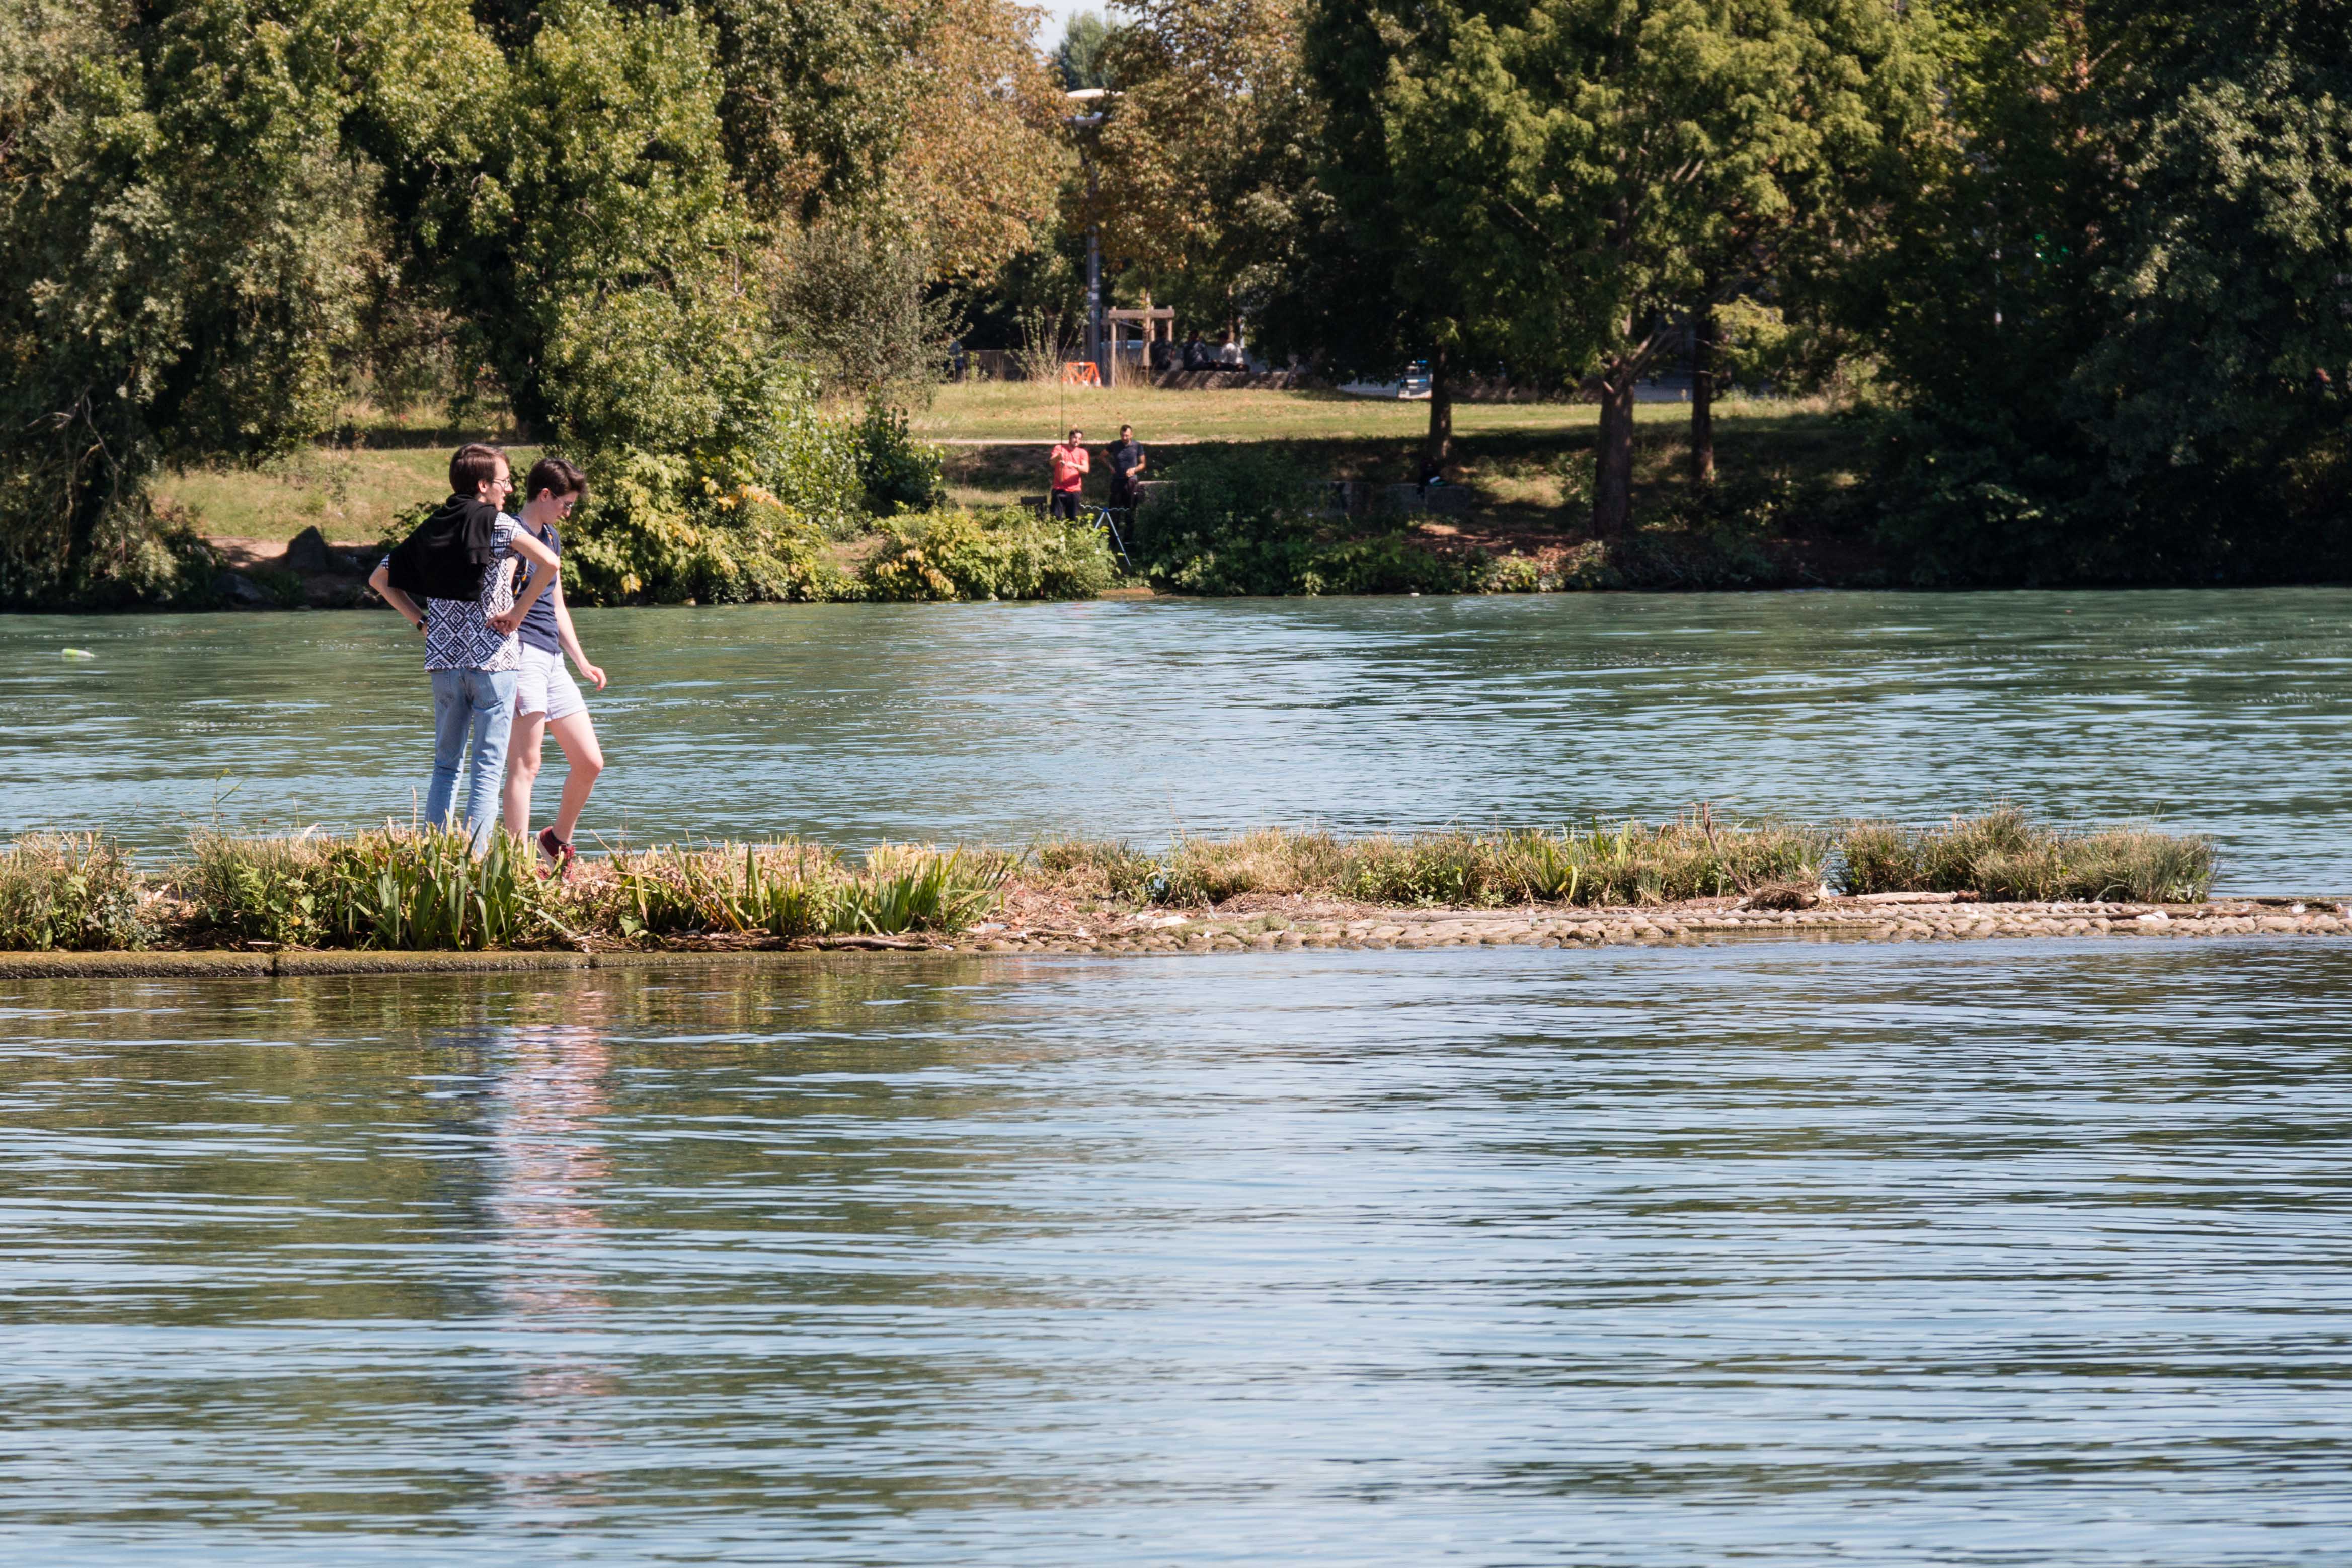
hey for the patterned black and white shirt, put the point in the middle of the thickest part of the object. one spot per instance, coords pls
(457, 632)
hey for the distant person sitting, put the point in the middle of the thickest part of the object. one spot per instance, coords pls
(1127, 464)
(1068, 463)
(1229, 355)
(1196, 353)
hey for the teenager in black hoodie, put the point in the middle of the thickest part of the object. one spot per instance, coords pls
(461, 563)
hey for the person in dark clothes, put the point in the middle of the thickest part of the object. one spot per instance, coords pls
(1127, 465)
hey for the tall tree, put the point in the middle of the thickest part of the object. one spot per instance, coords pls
(1608, 170)
(185, 236)
(2115, 300)
(1202, 160)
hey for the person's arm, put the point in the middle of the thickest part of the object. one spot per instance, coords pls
(381, 581)
(530, 549)
(570, 640)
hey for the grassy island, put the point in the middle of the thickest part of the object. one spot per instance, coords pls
(404, 890)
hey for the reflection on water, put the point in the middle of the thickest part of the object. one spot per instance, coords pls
(549, 1174)
(2222, 710)
(1990, 1253)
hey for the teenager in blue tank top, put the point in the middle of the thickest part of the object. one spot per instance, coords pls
(547, 698)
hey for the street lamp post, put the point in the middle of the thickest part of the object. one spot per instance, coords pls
(1097, 351)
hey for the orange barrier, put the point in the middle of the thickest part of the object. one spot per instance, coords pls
(1081, 373)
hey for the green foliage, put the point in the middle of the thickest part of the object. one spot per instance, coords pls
(854, 301)
(2002, 854)
(71, 890)
(2111, 295)
(1762, 347)
(900, 474)
(907, 886)
(1559, 182)
(1007, 553)
(811, 102)
(396, 889)
(661, 529)
(1249, 524)
(181, 232)
(1079, 59)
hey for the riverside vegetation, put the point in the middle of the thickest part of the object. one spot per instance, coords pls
(411, 889)
(2076, 273)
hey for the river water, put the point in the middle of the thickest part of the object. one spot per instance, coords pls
(1985, 1253)
(1982, 1253)
(2225, 712)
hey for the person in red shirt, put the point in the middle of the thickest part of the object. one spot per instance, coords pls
(1069, 463)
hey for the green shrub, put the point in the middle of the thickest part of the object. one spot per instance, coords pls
(71, 890)
(660, 530)
(1253, 523)
(2004, 856)
(900, 474)
(1005, 553)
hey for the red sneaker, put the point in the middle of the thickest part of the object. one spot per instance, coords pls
(559, 855)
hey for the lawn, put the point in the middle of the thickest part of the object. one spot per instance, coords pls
(349, 494)
(1528, 463)
(1027, 411)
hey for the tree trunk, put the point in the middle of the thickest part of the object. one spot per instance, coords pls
(1441, 410)
(1612, 478)
(1701, 434)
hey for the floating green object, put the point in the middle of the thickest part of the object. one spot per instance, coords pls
(79, 653)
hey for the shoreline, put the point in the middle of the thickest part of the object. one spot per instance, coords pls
(1884, 917)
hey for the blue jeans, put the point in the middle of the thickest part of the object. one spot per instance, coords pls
(477, 703)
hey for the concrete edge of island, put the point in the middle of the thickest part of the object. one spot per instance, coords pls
(1894, 917)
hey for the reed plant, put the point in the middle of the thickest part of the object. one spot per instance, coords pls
(71, 890)
(414, 888)
(2003, 855)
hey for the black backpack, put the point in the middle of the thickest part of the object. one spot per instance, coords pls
(445, 557)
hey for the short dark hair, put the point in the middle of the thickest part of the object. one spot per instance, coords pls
(1127, 429)
(475, 465)
(559, 475)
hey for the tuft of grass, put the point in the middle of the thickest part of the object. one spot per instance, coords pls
(789, 889)
(1268, 861)
(1096, 868)
(1690, 857)
(908, 887)
(2004, 856)
(73, 890)
(410, 888)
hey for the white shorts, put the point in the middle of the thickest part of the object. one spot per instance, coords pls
(547, 686)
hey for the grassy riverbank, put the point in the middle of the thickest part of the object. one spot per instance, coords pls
(1251, 513)
(401, 890)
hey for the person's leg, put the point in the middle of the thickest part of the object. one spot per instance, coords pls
(584, 760)
(493, 725)
(450, 713)
(522, 770)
